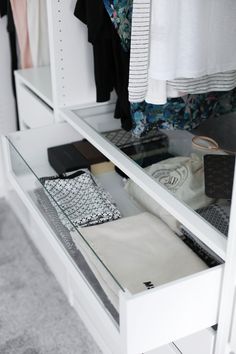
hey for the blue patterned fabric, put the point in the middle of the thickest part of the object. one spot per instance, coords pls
(120, 12)
(181, 113)
(178, 113)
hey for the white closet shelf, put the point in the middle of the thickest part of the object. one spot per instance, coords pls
(148, 319)
(38, 80)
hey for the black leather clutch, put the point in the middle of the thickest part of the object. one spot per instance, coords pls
(73, 156)
(66, 158)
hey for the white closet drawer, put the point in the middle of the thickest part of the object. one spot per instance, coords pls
(198, 343)
(149, 319)
(170, 312)
(33, 112)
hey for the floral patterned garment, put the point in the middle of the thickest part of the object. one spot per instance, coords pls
(120, 12)
(181, 113)
(178, 113)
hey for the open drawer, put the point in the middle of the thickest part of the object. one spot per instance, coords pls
(142, 321)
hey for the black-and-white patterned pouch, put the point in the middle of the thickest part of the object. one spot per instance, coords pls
(80, 200)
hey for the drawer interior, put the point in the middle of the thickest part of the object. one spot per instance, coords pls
(168, 168)
(161, 303)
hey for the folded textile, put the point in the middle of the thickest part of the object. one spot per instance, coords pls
(204, 253)
(183, 176)
(140, 252)
(80, 201)
(217, 215)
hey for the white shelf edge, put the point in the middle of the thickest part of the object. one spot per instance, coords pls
(26, 76)
(206, 233)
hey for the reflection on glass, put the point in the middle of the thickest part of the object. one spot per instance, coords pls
(199, 174)
(33, 185)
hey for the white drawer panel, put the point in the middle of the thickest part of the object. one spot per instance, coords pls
(50, 254)
(97, 319)
(33, 112)
(170, 312)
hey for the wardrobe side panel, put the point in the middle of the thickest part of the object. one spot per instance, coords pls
(226, 333)
(232, 335)
(71, 56)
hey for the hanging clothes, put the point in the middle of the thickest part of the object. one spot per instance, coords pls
(111, 62)
(225, 81)
(120, 13)
(193, 38)
(159, 28)
(38, 32)
(184, 112)
(19, 10)
(12, 36)
(158, 91)
(200, 62)
(5, 9)
(144, 116)
(139, 50)
(181, 113)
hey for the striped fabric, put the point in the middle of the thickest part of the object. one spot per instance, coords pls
(159, 91)
(139, 52)
(225, 81)
(142, 87)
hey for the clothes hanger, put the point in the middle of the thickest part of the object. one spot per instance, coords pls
(202, 142)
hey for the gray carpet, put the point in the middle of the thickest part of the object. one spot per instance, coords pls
(35, 317)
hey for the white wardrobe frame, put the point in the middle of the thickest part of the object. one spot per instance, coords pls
(72, 86)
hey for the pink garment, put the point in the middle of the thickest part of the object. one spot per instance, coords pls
(19, 10)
